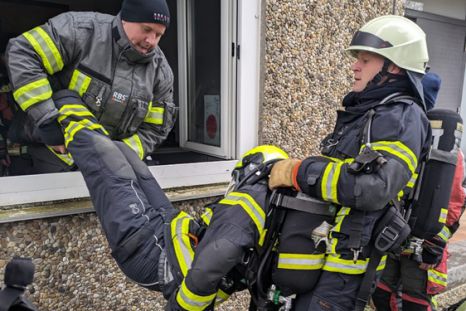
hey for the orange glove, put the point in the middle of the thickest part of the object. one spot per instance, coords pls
(282, 173)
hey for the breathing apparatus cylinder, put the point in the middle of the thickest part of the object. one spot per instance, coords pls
(430, 210)
(301, 244)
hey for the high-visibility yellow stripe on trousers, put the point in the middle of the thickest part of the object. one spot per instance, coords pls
(330, 181)
(251, 208)
(79, 82)
(154, 115)
(33, 93)
(190, 301)
(46, 49)
(135, 143)
(397, 149)
(66, 157)
(74, 110)
(74, 127)
(292, 261)
(334, 263)
(181, 241)
(437, 277)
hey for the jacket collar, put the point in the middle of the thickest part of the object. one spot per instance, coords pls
(126, 47)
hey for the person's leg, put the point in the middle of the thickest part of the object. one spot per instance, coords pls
(147, 182)
(385, 295)
(334, 292)
(44, 160)
(414, 292)
(133, 227)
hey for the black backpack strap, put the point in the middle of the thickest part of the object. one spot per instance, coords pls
(9, 296)
(303, 205)
(368, 282)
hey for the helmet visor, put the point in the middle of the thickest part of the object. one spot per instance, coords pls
(362, 38)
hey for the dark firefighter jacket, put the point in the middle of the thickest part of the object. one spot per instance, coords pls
(130, 94)
(235, 225)
(401, 133)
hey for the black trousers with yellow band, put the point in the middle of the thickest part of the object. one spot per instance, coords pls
(132, 208)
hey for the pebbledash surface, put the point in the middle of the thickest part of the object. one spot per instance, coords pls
(305, 73)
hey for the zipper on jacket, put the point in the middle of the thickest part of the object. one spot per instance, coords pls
(100, 97)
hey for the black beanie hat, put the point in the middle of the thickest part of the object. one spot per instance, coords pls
(145, 11)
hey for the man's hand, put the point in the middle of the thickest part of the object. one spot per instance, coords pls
(59, 149)
(282, 173)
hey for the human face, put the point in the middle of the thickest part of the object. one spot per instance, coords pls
(366, 66)
(144, 36)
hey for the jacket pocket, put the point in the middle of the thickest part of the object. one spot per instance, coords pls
(93, 87)
(133, 117)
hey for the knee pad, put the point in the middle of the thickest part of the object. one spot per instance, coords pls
(112, 158)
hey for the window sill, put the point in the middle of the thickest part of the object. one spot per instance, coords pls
(73, 207)
(30, 189)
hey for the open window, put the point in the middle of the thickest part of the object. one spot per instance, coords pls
(216, 89)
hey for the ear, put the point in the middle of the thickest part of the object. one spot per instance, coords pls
(394, 69)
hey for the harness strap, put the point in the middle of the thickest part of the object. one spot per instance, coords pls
(303, 205)
(9, 296)
(368, 284)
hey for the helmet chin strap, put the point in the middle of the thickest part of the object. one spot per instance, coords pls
(382, 75)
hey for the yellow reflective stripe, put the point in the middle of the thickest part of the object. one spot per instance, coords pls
(33, 93)
(347, 160)
(443, 216)
(190, 301)
(79, 82)
(181, 242)
(335, 264)
(67, 158)
(398, 149)
(412, 180)
(445, 233)
(75, 126)
(437, 277)
(72, 128)
(46, 49)
(221, 297)
(134, 142)
(330, 181)
(207, 216)
(154, 115)
(250, 207)
(300, 261)
(342, 213)
(73, 110)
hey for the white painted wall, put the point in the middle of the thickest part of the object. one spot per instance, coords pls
(450, 8)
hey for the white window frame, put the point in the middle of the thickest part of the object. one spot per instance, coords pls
(28, 189)
(227, 76)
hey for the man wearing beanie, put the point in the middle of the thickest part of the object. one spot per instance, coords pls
(115, 66)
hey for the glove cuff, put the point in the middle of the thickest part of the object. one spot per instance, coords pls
(294, 174)
(51, 134)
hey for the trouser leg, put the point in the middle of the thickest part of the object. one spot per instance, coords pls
(133, 226)
(414, 293)
(147, 182)
(385, 296)
(334, 292)
(46, 161)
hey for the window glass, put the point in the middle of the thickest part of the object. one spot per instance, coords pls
(204, 72)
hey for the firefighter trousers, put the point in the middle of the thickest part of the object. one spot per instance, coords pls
(403, 287)
(132, 208)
